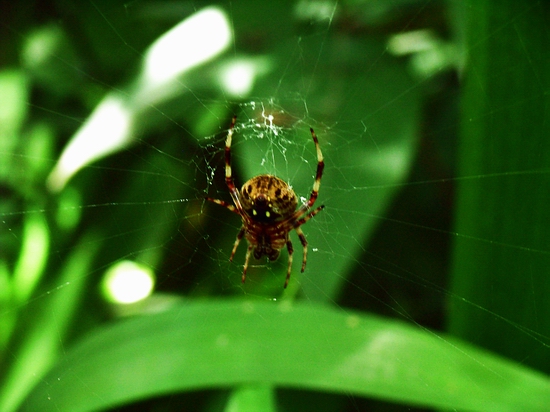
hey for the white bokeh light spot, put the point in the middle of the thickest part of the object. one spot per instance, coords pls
(128, 282)
(238, 78)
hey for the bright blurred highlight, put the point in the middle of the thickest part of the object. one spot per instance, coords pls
(110, 127)
(238, 77)
(410, 42)
(127, 282)
(107, 130)
(194, 41)
(40, 45)
(429, 53)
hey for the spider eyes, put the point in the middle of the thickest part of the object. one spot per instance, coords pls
(263, 213)
(267, 213)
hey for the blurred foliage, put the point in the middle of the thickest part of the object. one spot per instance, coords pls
(387, 126)
(502, 257)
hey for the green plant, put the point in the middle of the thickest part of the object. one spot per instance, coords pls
(139, 199)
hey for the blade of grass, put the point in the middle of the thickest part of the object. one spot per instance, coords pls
(198, 345)
(505, 131)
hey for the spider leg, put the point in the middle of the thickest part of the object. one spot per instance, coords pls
(301, 235)
(246, 259)
(237, 241)
(316, 185)
(290, 251)
(304, 244)
(318, 175)
(303, 220)
(228, 173)
(223, 203)
(233, 191)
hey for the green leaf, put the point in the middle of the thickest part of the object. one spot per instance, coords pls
(13, 105)
(217, 344)
(13, 110)
(503, 255)
(252, 398)
(48, 323)
(32, 259)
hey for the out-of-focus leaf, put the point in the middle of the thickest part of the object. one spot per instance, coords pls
(13, 109)
(44, 335)
(503, 254)
(112, 125)
(259, 398)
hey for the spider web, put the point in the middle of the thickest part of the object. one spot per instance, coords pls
(382, 244)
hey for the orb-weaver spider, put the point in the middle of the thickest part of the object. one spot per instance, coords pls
(267, 206)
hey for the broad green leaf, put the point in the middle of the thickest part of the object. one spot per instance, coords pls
(503, 254)
(220, 344)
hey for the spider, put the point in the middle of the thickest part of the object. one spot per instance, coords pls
(267, 206)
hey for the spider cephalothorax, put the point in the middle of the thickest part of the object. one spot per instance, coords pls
(267, 206)
(268, 199)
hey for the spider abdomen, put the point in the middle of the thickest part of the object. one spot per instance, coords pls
(268, 199)
(266, 247)
(268, 240)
